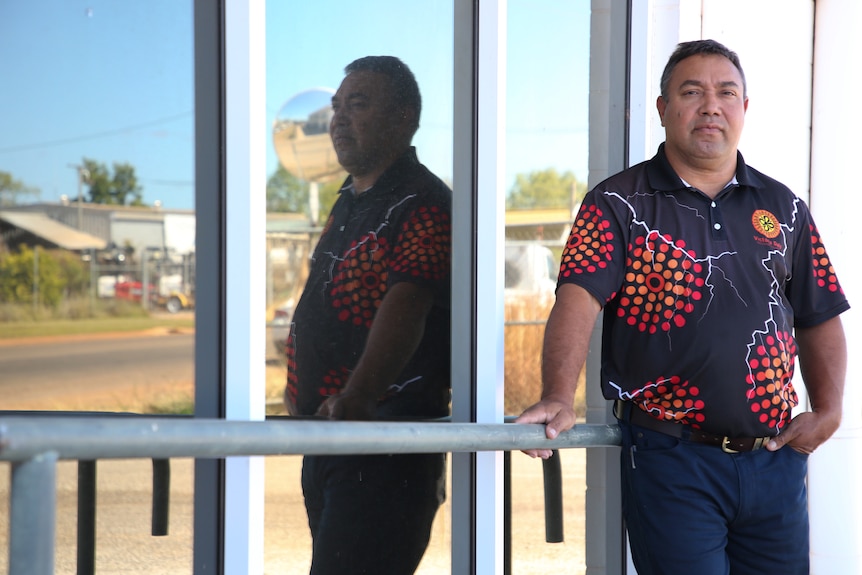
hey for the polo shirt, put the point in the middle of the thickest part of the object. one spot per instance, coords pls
(700, 295)
(396, 231)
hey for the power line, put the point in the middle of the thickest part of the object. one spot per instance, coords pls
(131, 128)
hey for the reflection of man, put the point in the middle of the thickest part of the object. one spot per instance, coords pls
(370, 335)
(712, 277)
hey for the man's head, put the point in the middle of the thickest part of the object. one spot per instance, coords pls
(703, 48)
(702, 105)
(375, 115)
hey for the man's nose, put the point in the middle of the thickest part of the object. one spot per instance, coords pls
(709, 104)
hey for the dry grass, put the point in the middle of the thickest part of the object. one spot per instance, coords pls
(523, 359)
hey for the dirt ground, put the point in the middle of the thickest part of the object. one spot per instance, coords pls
(124, 544)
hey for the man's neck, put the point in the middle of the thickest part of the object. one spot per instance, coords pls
(363, 182)
(710, 177)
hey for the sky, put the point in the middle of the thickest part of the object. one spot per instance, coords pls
(112, 81)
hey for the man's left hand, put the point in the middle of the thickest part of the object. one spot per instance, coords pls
(806, 432)
(349, 405)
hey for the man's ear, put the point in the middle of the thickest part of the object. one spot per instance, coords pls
(660, 105)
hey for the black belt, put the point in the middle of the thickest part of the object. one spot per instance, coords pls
(627, 411)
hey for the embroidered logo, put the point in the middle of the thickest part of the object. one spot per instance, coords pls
(765, 223)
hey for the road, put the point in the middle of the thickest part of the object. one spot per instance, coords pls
(68, 373)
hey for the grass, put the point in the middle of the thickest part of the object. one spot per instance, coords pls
(61, 327)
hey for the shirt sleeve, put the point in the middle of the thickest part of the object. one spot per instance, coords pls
(594, 254)
(422, 250)
(813, 290)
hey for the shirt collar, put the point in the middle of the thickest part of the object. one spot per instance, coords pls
(662, 176)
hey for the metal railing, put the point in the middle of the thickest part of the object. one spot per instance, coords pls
(35, 444)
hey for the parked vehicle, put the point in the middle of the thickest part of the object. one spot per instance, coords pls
(280, 326)
(531, 269)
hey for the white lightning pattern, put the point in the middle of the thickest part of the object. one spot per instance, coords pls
(712, 268)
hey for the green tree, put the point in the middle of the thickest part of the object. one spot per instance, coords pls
(118, 188)
(11, 189)
(545, 189)
(287, 193)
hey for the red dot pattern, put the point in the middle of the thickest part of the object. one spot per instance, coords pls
(824, 273)
(673, 399)
(333, 381)
(292, 379)
(589, 247)
(663, 283)
(771, 364)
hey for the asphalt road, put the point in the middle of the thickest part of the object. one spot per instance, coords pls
(64, 373)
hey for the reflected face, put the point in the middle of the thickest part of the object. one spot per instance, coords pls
(367, 129)
(705, 109)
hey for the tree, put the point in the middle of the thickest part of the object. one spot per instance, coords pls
(287, 193)
(120, 188)
(545, 189)
(11, 189)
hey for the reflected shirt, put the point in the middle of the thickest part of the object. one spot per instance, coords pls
(396, 231)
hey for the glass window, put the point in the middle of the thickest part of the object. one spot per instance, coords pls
(97, 247)
(308, 46)
(546, 160)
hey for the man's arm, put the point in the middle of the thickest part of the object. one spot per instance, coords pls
(396, 333)
(823, 361)
(567, 341)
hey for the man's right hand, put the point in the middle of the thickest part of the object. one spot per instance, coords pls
(557, 416)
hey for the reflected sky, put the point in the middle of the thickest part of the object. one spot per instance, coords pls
(113, 81)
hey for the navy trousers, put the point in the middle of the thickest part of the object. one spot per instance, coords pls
(371, 514)
(692, 509)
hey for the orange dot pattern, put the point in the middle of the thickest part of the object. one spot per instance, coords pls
(423, 247)
(662, 284)
(673, 399)
(771, 363)
(589, 247)
(824, 273)
(359, 282)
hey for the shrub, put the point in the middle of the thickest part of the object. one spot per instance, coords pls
(28, 274)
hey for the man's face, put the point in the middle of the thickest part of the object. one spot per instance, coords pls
(367, 129)
(705, 110)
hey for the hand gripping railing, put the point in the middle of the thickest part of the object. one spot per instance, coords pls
(34, 445)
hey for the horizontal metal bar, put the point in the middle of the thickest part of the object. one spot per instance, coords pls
(151, 437)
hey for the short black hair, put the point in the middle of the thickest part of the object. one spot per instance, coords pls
(699, 48)
(405, 90)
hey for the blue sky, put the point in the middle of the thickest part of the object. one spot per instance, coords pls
(113, 81)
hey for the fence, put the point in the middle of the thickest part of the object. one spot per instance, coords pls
(35, 444)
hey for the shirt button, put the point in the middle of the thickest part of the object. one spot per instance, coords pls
(717, 226)
(712, 204)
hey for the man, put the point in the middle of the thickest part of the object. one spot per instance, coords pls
(706, 270)
(370, 336)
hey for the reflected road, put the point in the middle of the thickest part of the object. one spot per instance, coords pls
(66, 373)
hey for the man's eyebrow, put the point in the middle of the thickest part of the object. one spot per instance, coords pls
(350, 97)
(699, 84)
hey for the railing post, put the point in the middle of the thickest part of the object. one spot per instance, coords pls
(32, 515)
(86, 517)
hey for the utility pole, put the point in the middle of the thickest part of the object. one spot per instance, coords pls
(83, 175)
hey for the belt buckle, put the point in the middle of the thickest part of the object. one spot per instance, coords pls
(725, 442)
